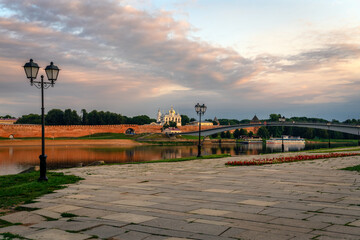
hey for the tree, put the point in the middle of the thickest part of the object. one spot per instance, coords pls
(243, 132)
(84, 117)
(236, 133)
(140, 120)
(251, 134)
(93, 118)
(215, 135)
(172, 124)
(228, 134)
(165, 126)
(275, 117)
(222, 135)
(309, 134)
(71, 117)
(7, 116)
(184, 120)
(192, 119)
(29, 119)
(263, 133)
(55, 117)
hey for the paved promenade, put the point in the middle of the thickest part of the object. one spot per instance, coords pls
(201, 199)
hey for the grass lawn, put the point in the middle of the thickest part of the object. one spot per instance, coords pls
(354, 168)
(23, 188)
(325, 140)
(339, 149)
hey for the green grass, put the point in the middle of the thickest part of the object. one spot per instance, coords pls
(191, 137)
(177, 159)
(9, 236)
(4, 223)
(168, 143)
(325, 140)
(68, 215)
(338, 149)
(23, 188)
(110, 136)
(354, 168)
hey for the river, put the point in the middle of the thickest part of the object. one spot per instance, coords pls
(15, 159)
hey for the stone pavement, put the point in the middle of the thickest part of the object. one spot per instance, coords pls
(200, 199)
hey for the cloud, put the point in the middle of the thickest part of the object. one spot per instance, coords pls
(111, 53)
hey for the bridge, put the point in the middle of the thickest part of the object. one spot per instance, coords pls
(344, 128)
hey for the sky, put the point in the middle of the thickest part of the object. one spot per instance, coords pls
(133, 57)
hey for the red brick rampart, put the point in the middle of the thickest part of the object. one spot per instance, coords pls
(27, 130)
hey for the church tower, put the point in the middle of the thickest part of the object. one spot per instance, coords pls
(158, 118)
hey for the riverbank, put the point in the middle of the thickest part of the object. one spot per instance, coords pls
(200, 199)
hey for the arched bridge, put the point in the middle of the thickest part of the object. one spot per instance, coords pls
(345, 128)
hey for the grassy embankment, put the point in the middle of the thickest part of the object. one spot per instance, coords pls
(148, 138)
(24, 188)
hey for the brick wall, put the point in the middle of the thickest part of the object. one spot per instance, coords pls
(21, 131)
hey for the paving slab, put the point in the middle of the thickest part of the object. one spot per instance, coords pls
(211, 212)
(203, 199)
(52, 234)
(129, 218)
(105, 231)
(61, 208)
(23, 217)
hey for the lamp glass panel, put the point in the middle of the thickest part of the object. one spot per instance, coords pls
(31, 72)
(197, 108)
(34, 71)
(203, 108)
(52, 74)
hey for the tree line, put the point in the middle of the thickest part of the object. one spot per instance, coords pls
(266, 132)
(71, 117)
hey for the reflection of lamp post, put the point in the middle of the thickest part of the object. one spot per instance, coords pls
(52, 71)
(329, 134)
(282, 120)
(200, 110)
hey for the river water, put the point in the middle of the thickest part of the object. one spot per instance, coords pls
(16, 159)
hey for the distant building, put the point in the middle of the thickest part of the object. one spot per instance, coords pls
(8, 120)
(167, 118)
(171, 130)
(216, 120)
(255, 120)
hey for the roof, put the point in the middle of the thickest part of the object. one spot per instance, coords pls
(255, 119)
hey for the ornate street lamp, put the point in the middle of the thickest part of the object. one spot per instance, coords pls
(52, 72)
(200, 110)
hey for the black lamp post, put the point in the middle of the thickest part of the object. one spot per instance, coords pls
(52, 72)
(200, 110)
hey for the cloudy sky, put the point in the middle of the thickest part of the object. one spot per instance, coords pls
(239, 57)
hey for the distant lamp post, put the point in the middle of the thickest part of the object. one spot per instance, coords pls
(52, 72)
(200, 110)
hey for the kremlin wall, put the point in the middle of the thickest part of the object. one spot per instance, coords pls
(29, 130)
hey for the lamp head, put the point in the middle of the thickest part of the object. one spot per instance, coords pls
(31, 70)
(52, 72)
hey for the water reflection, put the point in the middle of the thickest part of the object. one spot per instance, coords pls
(18, 158)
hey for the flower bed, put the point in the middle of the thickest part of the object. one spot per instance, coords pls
(263, 161)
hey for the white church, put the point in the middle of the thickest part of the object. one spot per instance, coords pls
(167, 118)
